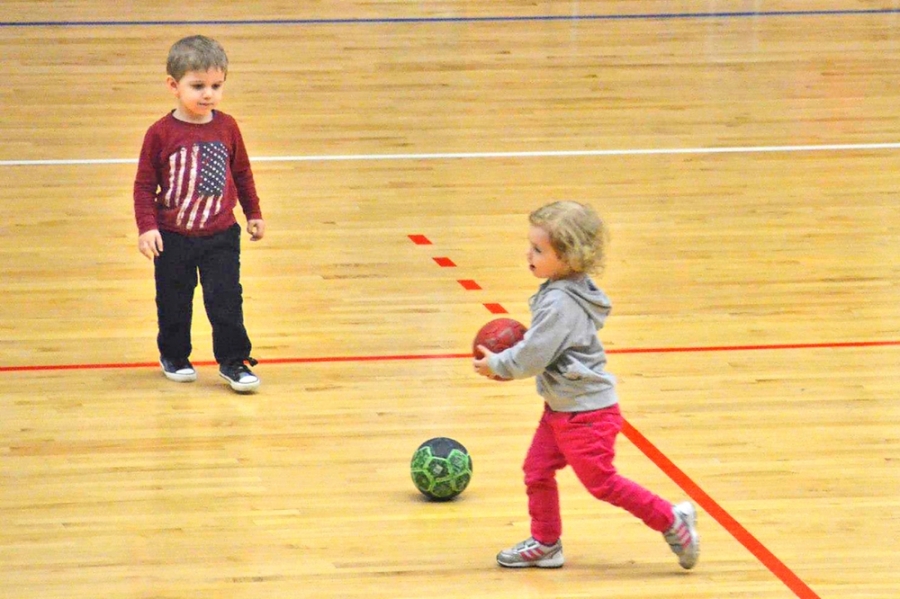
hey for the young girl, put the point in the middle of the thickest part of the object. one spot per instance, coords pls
(581, 413)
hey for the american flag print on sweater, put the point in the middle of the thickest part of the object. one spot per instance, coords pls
(197, 182)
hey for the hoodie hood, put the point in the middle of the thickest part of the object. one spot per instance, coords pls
(586, 293)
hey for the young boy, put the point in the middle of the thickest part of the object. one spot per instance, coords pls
(193, 170)
(581, 413)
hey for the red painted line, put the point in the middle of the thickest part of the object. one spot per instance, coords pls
(325, 359)
(469, 285)
(77, 366)
(444, 262)
(420, 240)
(743, 536)
(647, 350)
(496, 309)
(712, 348)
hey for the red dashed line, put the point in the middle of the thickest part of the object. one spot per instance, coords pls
(444, 262)
(420, 240)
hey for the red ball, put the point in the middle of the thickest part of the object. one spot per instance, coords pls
(498, 334)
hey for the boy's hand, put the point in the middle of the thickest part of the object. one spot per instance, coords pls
(256, 228)
(481, 364)
(150, 243)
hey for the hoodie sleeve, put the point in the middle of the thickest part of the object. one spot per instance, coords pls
(543, 343)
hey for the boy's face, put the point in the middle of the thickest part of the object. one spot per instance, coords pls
(198, 92)
(542, 259)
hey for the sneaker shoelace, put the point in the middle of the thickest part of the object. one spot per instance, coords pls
(240, 368)
(532, 549)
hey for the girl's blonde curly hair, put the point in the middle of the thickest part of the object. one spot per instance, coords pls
(577, 234)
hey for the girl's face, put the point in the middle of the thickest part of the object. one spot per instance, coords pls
(542, 259)
(198, 92)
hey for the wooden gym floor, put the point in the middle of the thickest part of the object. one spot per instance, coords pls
(744, 155)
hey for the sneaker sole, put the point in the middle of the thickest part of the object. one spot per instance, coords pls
(179, 378)
(241, 387)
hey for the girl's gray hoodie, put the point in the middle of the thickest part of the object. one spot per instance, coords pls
(561, 348)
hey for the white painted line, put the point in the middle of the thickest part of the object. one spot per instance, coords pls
(470, 155)
(78, 161)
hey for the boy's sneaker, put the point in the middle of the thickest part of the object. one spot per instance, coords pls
(530, 553)
(181, 371)
(239, 376)
(682, 537)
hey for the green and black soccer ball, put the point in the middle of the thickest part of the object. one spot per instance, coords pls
(441, 468)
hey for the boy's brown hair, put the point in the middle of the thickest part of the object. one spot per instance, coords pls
(195, 53)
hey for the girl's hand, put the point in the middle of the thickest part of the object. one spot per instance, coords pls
(481, 364)
(256, 228)
(150, 243)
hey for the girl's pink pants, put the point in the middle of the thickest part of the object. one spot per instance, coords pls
(586, 442)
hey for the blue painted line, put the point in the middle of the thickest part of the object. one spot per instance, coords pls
(496, 19)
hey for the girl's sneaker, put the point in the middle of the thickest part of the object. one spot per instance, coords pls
(683, 537)
(531, 553)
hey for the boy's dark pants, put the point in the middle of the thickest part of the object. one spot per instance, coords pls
(218, 260)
